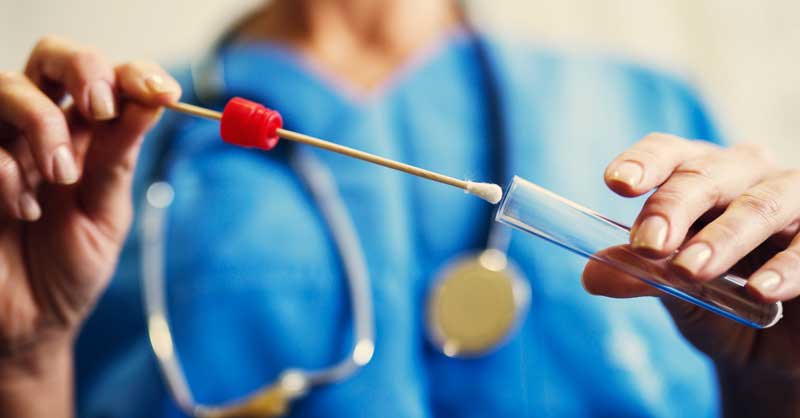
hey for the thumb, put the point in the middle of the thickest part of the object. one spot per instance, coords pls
(601, 278)
(105, 188)
(110, 160)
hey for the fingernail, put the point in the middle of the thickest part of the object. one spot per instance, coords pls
(28, 207)
(651, 233)
(766, 282)
(628, 172)
(158, 85)
(693, 258)
(65, 170)
(101, 100)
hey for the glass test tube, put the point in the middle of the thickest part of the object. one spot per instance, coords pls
(533, 209)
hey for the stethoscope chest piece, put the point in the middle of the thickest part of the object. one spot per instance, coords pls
(476, 303)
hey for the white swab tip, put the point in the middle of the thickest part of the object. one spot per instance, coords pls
(489, 192)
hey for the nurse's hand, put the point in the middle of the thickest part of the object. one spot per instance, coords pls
(65, 190)
(721, 209)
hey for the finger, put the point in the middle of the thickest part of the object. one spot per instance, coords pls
(22, 154)
(17, 200)
(748, 221)
(779, 278)
(784, 237)
(694, 187)
(600, 278)
(42, 123)
(19, 148)
(84, 73)
(650, 162)
(111, 156)
(105, 189)
(147, 83)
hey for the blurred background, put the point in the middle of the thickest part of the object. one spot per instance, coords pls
(743, 55)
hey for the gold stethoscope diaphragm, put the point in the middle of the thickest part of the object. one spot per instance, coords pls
(476, 303)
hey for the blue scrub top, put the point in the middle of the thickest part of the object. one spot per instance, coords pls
(255, 285)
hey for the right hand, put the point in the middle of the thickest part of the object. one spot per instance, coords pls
(65, 185)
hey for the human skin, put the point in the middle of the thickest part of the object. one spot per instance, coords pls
(66, 173)
(65, 184)
(722, 209)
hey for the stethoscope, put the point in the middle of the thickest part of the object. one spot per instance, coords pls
(475, 302)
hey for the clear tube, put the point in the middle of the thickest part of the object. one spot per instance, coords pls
(533, 209)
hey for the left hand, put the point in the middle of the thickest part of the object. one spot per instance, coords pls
(739, 212)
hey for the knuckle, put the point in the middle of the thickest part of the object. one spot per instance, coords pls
(662, 139)
(124, 167)
(791, 256)
(726, 233)
(703, 145)
(639, 154)
(697, 169)
(664, 199)
(8, 167)
(127, 66)
(138, 66)
(792, 175)
(144, 65)
(765, 205)
(9, 77)
(126, 72)
(47, 42)
(756, 151)
(40, 123)
(81, 58)
(791, 230)
(86, 63)
(703, 180)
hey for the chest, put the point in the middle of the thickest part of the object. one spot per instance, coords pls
(255, 282)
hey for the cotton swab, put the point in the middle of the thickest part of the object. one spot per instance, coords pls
(250, 124)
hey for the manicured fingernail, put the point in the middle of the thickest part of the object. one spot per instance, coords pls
(101, 100)
(158, 85)
(693, 258)
(651, 233)
(766, 282)
(28, 207)
(628, 172)
(65, 170)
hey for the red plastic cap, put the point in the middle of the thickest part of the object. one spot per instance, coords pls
(250, 124)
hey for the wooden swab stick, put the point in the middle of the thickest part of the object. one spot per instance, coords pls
(195, 110)
(490, 192)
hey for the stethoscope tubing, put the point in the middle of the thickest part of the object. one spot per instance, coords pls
(208, 87)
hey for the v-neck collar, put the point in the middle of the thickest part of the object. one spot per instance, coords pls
(341, 88)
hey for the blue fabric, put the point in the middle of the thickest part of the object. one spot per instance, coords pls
(255, 284)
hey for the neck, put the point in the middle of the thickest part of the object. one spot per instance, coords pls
(362, 40)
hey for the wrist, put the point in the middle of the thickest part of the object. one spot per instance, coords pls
(35, 358)
(37, 380)
(758, 393)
